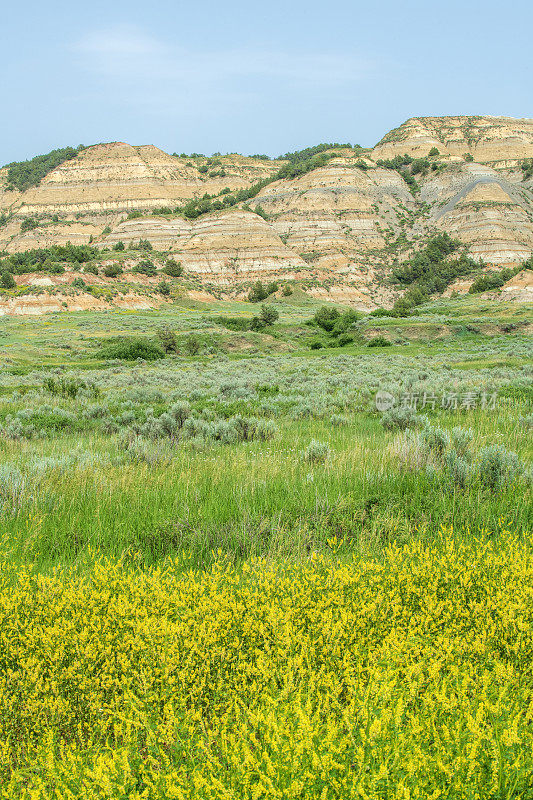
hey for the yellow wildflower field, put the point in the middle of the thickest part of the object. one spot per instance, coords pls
(411, 677)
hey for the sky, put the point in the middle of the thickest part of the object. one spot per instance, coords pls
(252, 77)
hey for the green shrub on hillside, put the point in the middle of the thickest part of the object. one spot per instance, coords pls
(408, 167)
(430, 270)
(344, 339)
(173, 268)
(192, 344)
(113, 271)
(381, 312)
(326, 317)
(302, 156)
(344, 322)
(493, 280)
(23, 175)
(34, 259)
(29, 224)
(6, 280)
(527, 168)
(259, 292)
(298, 163)
(267, 316)
(146, 267)
(233, 323)
(142, 244)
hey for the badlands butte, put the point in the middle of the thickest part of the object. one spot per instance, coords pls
(335, 220)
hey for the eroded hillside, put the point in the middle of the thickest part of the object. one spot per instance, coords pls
(345, 220)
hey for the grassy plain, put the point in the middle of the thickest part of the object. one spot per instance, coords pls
(228, 575)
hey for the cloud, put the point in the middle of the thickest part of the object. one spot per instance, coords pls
(129, 55)
(121, 42)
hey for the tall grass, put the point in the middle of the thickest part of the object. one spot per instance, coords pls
(247, 499)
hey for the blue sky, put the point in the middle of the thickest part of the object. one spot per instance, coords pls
(250, 77)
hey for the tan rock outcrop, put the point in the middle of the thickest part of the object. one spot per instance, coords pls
(520, 287)
(162, 233)
(487, 139)
(121, 177)
(226, 246)
(35, 305)
(484, 209)
(234, 245)
(338, 217)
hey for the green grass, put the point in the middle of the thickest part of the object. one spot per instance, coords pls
(249, 498)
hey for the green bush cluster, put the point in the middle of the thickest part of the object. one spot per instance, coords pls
(34, 260)
(29, 224)
(494, 279)
(304, 156)
(267, 316)
(69, 387)
(430, 270)
(334, 323)
(23, 175)
(162, 211)
(132, 348)
(259, 292)
(7, 280)
(167, 339)
(450, 454)
(233, 323)
(146, 267)
(173, 268)
(142, 244)
(399, 418)
(527, 168)
(113, 271)
(379, 341)
(316, 452)
(408, 166)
